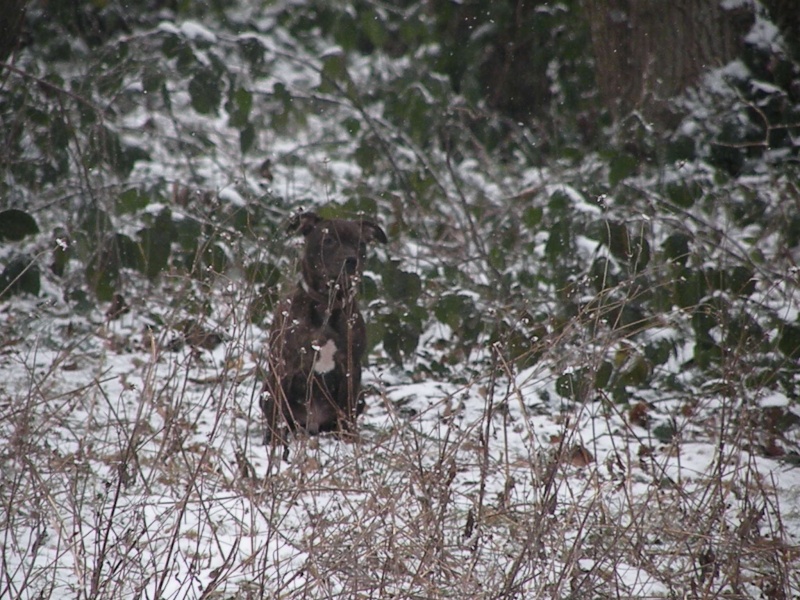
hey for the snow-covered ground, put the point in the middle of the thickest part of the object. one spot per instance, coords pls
(132, 463)
(135, 471)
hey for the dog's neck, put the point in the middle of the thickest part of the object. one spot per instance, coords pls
(330, 298)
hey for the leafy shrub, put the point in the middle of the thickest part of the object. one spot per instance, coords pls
(161, 149)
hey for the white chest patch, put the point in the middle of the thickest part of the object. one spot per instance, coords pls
(324, 362)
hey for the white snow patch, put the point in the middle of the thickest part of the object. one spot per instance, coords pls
(578, 200)
(773, 399)
(195, 31)
(764, 34)
(229, 194)
(168, 27)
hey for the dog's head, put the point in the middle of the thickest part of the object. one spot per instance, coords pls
(335, 251)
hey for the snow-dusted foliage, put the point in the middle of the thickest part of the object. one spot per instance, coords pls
(583, 369)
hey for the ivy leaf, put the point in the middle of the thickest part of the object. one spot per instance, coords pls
(400, 338)
(622, 165)
(131, 201)
(665, 433)
(102, 270)
(152, 79)
(334, 71)
(247, 137)
(16, 224)
(20, 275)
(559, 241)
(239, 108)
(205, 91)
(676, 248)
(156, 243)
(789, 342)
(402, 285)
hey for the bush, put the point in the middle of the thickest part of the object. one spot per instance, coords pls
(583, 340)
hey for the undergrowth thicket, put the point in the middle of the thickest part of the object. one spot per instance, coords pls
(584, 348)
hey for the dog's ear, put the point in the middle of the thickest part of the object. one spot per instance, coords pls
(372, 232)
(303, 223)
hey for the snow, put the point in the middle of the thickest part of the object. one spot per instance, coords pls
(184, 516)
(195, 31)
(145, 466)
(578, 200)
(764, 34)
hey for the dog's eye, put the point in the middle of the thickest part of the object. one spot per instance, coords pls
(328, 242)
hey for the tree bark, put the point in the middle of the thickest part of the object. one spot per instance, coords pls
(647, 51)
(13, 12)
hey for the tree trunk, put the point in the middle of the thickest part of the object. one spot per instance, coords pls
(13, 12)
(647, 51)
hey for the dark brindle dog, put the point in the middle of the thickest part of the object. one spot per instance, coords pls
(318, 335)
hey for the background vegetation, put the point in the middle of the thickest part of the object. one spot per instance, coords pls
(575, 238)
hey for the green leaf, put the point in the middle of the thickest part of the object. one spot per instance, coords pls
(152, 78)
(239, 108)
(450, 308)
(402, 285)
(205, 90)
(602, 274)
(680, 148)
(684, 194)
(132, 200)
(247, 137)
(559, 203)
(102, 270)
(215, 258)
(21, 275)
(569, 385)
(789, 342)
(372, 25)
(334, 71)
(104, 147)
(741, 281)
(659, 352)
(704, 319)
(637, 372)
(665, 433)
(127, 159)
(156, 242)
(109, 83)
(621, 166)
(252, 50)
(615, 236)
(60, 133)
(559, 242)
(690, 288)
(400, 338)
(187, 234)
(792, 231)
(16, 224)
(532, 216)
(129, 253)
(603, 375)
(676, 248)
(706, 353)
(352, 125)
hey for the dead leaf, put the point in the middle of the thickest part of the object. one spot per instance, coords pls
(580, 456)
